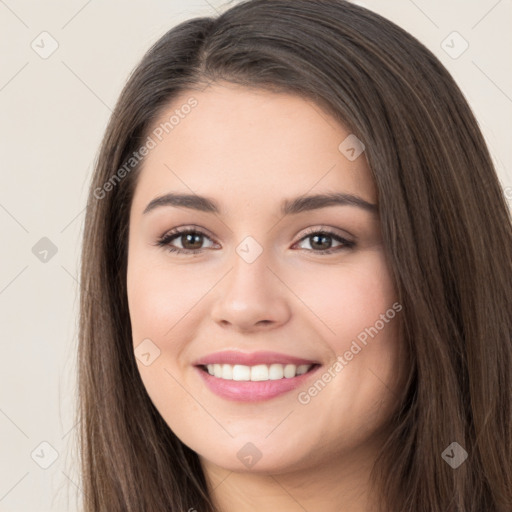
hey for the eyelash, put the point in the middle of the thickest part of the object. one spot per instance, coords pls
(166, 239)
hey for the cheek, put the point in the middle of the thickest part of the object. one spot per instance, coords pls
(160, 299)
(344, 299)
(359, 315)
(161, 296)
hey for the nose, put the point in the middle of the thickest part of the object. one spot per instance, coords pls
(251, 297)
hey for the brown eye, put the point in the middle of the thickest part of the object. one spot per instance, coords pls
(190, 241)
(321, 242)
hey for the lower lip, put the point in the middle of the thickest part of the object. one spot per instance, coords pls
(249, 391)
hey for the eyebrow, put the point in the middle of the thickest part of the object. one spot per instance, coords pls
(288, 207)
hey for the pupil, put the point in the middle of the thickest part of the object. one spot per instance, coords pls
(190, 238)
(323, 238)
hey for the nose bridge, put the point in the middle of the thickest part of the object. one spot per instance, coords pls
(250, 254)
(251, 294)
(250, 272)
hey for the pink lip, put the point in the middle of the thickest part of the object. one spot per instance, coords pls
(251, 359)
(248, 391)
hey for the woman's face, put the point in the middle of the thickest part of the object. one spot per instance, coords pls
(262, 301)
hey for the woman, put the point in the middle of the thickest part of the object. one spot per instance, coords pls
(296, 277)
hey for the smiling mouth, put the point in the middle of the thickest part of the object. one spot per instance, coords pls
(257, 373)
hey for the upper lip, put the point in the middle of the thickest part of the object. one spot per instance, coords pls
(250, 359)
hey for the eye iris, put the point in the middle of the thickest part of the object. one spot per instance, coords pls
(321, 237)
(191, 237)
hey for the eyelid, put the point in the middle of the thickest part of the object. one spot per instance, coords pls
(180, 230)
(330, 230)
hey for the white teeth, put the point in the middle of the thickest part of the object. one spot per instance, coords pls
(260, 372)
(303, 368)
(217, 370)
(227, 372)
(241, 372)
(275, 372)
(289, 371)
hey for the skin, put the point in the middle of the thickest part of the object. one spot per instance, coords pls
(249, 150)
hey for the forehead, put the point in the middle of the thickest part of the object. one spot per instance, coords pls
(250, 144)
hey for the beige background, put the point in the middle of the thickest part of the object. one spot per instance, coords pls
(53, 113)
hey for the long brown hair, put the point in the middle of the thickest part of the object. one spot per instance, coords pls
(445, 226)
